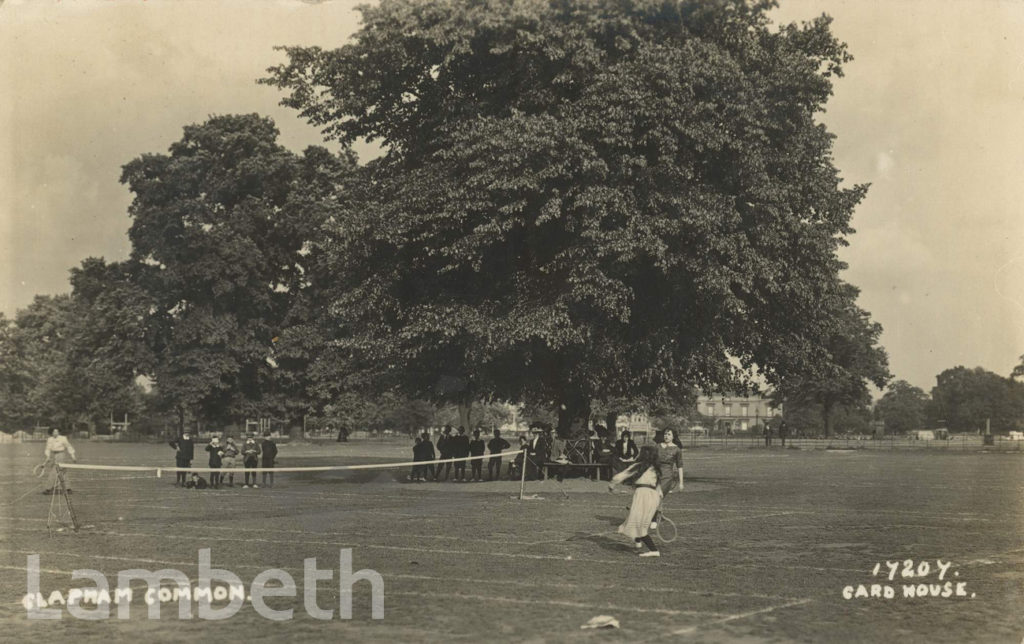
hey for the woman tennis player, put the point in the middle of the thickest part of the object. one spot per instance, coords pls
(670, 464)
(644, 475)
(58, 450)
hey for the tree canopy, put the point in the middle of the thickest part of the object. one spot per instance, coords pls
(903, 407)
(966, 398)
(222, 241)
(582, 200)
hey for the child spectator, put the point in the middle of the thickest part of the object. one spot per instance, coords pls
(196, 482)
(216, 454)
(250, 458)
(230, 452)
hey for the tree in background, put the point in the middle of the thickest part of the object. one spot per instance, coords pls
(966, 398)
(44, 388)
(107, 346)
(855, 361)
(582, 200)
(1018, 371)
(224, 226)
(903, 408)
(17, 377)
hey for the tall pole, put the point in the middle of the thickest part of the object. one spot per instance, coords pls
(522, 476)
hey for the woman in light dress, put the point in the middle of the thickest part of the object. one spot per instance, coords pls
(644, 476)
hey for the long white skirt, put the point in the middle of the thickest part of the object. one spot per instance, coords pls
(641, 512)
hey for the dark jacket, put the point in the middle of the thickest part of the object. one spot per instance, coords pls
(269, 451)
(631, 450)
(424, 451)
(215, 454)
(476, 447)
(459, 446)
(497, 444)
(444, 445)
(185, 448)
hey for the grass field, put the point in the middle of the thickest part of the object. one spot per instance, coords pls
(768, 541)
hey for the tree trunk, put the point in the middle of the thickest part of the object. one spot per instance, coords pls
(295, 432)
(465, 414)
(826, 412)
(573, 415)
(181, 420)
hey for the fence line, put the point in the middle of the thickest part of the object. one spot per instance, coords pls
(955, 443)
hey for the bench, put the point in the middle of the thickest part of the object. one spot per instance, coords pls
(600, 467)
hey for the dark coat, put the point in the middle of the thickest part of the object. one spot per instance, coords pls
(476, 447)
(425, 451)
(444, 445)
(269, 451)
(215, 454)
(460, 446)
(631, 450)
(497, 444)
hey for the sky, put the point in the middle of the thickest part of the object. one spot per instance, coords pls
(930, 113)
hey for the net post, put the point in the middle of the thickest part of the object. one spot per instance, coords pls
(61, 509)
(522, 476)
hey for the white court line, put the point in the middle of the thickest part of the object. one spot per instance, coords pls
(440, 537)
(553, 602)
(510, 555)
(448, 579)
(692, 629)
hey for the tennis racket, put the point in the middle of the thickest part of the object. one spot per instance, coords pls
(40, 469)
(666, 530)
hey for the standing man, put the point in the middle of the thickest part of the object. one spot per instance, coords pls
(783, 432)
(536, 454)
(495, 445)
(427, 453)
(460, 449)
(184, 452)
(269, 458)
(444, 450)
(767, 435)
(476, 448)
(58, 450)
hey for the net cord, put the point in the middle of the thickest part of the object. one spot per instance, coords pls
(320, 468)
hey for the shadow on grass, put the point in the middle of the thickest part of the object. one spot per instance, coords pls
(604, 541)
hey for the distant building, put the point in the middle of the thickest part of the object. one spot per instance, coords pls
(639, 425)
(731, 413)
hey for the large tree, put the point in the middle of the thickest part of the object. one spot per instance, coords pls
(855, 361)
(225, 226)
(902, 408)
(966, 398)
(582, 200)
